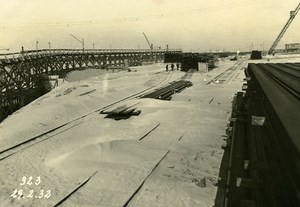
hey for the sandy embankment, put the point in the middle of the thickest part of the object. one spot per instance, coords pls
(185, 178)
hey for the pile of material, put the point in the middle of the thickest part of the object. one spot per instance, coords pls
(166, 92)
(121, 112)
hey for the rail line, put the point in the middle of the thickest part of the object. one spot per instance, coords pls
(77, 188)
(74, 190)
(228, 74)
(188, 75)
(8, 152)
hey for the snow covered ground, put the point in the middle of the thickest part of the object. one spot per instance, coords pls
(189, 134)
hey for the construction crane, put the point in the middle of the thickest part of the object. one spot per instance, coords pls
(81, 41)
(150, 45)
(292, 17)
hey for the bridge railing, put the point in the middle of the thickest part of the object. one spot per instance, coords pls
(46, 52)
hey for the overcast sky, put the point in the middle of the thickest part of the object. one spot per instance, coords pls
(193, 25)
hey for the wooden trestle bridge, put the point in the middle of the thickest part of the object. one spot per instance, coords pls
(22, 74)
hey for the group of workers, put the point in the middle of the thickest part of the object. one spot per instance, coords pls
(172, 66)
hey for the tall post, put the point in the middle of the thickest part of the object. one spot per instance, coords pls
(151, 52)
(167, 48)
(83, 45)
(37, 46)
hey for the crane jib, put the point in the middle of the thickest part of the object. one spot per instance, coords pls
(292, 17)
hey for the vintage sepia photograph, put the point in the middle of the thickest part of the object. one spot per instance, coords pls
(149, 103)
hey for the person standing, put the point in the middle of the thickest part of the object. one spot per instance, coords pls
(167, 67)
(172, 66)
(177, 65)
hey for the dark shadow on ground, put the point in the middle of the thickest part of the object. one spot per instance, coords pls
(221, 192)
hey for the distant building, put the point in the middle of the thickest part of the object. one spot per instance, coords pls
(255, 55)
(189, 60)
(292, 47)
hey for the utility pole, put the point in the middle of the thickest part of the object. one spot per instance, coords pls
(37, 46)
(49, 43)
(81, 41)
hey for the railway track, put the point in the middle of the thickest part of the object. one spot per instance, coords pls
(136, 191)
(228, 74)
(188, 75)
(8, 152)
(13, 150)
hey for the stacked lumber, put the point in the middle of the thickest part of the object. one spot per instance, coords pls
(121, 112)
